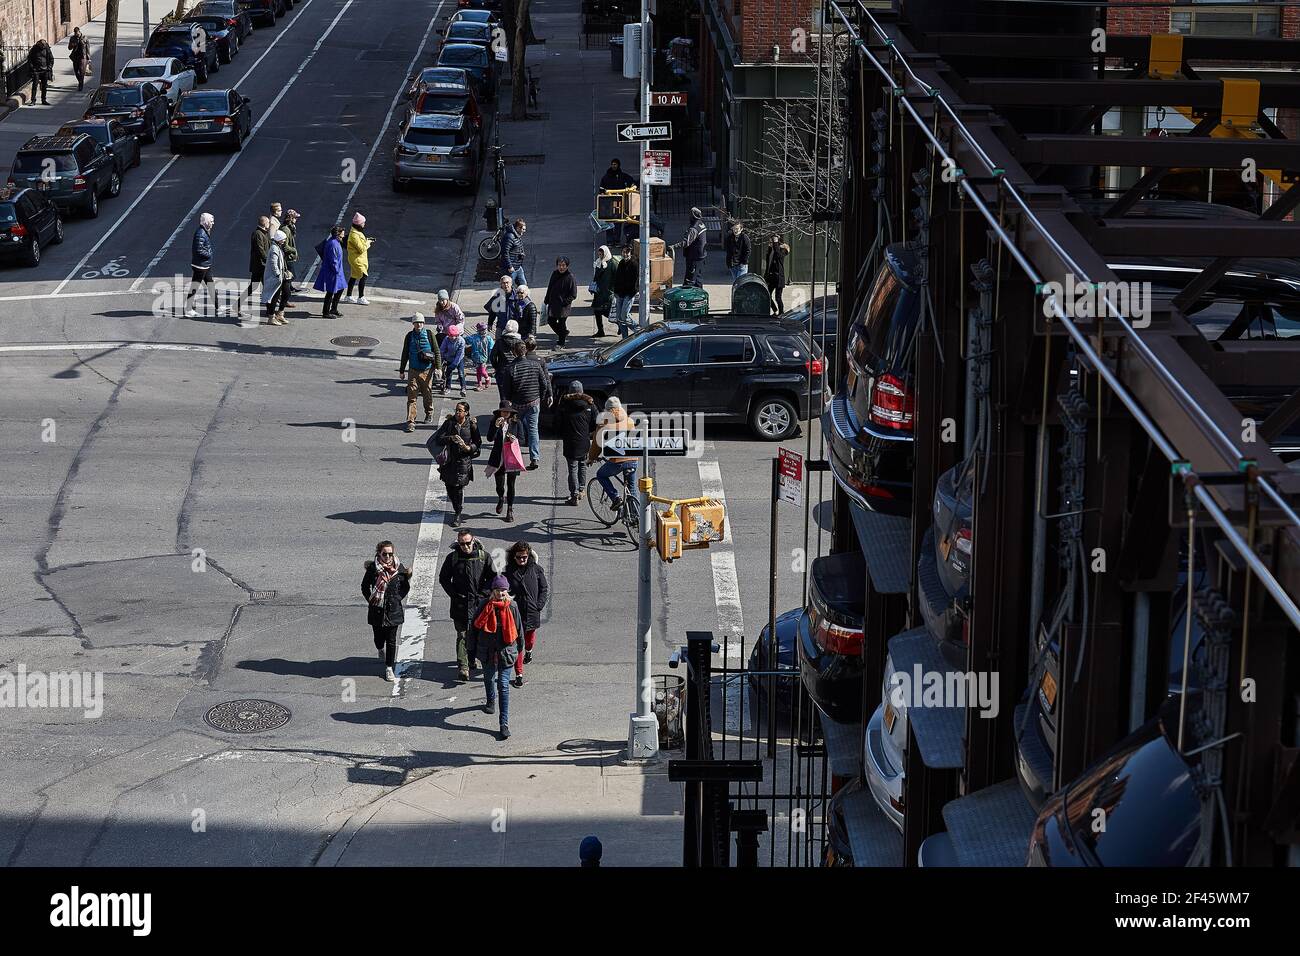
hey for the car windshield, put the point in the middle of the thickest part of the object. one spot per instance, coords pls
(463, 56)
(139, 72)
(470, 31)
(204, 103)
(7, 214)
(211, 24)
(170, 41)
(34, 164)
(116, 97)
(442, 103)
(97, 132)
(430, 137)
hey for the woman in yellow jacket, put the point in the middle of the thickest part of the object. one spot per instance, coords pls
(358, 259)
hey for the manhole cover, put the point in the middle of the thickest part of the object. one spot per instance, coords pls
(247, 716)
(354, 341)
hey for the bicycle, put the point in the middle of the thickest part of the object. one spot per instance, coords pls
(490, 248)
(627, 511)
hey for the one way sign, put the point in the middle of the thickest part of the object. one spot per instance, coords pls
(644, 132)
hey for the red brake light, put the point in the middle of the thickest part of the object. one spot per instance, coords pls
(874, 491)
(178, 121)
(232, 23)
(225, 121)
(814, 367)
(79, 183)
(18, 230)
(892, 405)
(963, 541)
(164, 84)
(836, 639)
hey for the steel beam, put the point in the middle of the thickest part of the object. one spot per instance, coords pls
(1185, 152)
(1284, 91)
(1075, 46)
(1181, 237)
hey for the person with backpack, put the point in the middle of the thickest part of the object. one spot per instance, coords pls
(531, 592)
(478, 347)
(452, 352)
(466, 577)
(496, 630)
(385, 585)
(420, 353)
(454, 447)
(576, 419)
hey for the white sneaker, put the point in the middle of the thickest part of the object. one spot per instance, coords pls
(362, 301)
(191, 314)
(350, 298)
(389, 675)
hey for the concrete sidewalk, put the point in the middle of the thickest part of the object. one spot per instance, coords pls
(531, 810)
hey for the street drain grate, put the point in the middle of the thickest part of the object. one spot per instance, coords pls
(526, 159)
(247, 716)
(354, 341)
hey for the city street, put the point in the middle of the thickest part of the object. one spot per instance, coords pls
(186, 503)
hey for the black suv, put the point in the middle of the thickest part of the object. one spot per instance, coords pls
(28, 221)
(74, 171)
(730, 368)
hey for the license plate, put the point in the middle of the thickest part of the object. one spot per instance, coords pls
(201, 125)
(1048, 689)
(890, 717)
(431, 158)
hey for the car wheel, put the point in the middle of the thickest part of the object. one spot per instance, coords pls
(58, 230)
(92, 207)
(114, 185)
(773, 418)
(33, 251)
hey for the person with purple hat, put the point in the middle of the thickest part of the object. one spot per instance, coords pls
(497, 630)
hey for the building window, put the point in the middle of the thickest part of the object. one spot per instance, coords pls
(65, 11)
(1226, 20)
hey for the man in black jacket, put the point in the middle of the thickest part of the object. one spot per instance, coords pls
(529, 588)
(736, 247)
(530, 391)
(258, 246)
(627, 276)
(615, 178)
(40, 60)
(466, 576)
(560, 293)
(693, 244)
(79, 54)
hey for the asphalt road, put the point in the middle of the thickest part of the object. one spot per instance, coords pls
(123, 462)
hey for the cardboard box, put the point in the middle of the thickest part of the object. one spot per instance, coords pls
(656, 248)
(661, 269)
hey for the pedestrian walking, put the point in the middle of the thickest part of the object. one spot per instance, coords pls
(736, 247)
(497, 627)
(478, 347)
(330, 279)
(501, 305)
(79, 54)
(627, 283)
(614, 419)
(274, 279)
(290, 228)
(561, 290)
(529, 390)
(446, 314)
(502, 357)
(505, 461)
(512, 252)
(694, 244)
(454, 446)
(385, 586)
(420, 353)
(529, 588)
(576, 420)
(40, 61)
(274, 214)
(774, 271)
(602, 288)
(201, 266)
(452, 352)
(466, 577)
(527, 311)
(358, 259)
(615, 177)
(258, 248)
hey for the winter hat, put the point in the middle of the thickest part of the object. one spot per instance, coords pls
(612, 403)
(358, 219)
(500, 583)
(292, 214)
(480, 328)
(453, 330)
(590, 850)
(278, 236)
(575, 387)
(695, 213)
(506, 405)
(443, 295)
(512, 326)
(418, 317)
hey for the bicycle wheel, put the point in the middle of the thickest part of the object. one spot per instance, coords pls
(632, 521)
(601, 506)
(489, 248)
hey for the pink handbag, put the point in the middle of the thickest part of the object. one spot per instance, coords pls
(511, 458)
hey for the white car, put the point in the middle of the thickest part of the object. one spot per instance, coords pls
(172, 76)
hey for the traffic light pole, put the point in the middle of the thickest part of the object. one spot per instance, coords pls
(643, 728)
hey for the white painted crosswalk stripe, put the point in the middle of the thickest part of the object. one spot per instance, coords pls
(726, 592)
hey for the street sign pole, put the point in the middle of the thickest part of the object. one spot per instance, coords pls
(643, 728)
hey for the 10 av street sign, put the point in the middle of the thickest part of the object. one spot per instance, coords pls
(643, 132)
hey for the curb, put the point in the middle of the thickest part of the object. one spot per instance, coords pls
(13, 103)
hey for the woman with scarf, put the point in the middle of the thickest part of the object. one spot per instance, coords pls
(497, 628)
(505, 461)
(385, 586)
(602, 288)
(455, 445)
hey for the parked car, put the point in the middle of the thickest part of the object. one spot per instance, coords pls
(727, 368)
(475, 60)
(831, 636)
(438, 77)
(220, 31)
(29, 221)
(233, 11)
(438, 147)
(141, 107)
(454, 101)
(169, 74)
(886, 744)
(839, 850)
(470, 15)
(822, 311)
(211, 117)
(187, 42)
(944, 564)
(113, 136)
(787, 638)
(1146, 790)
(868, 424)
(481, 34)
(264, 12)
(73, 171)
(493, 6)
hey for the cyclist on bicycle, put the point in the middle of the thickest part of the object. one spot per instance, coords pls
(613, 419)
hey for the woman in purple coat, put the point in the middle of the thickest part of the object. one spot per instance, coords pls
(331, 279)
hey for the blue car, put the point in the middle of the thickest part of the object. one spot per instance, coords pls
(189, 43)
(477, 61)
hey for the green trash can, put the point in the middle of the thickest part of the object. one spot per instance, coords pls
(685, 304)
(749, 295)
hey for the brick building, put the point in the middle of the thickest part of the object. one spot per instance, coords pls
(23, 22)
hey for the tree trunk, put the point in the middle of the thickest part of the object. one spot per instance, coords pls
(108, 60)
